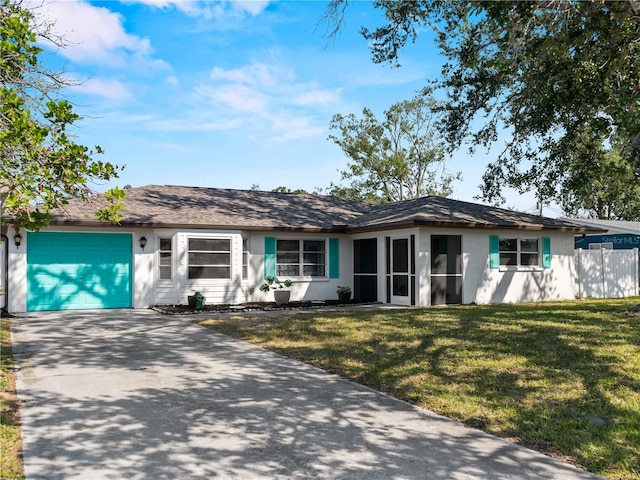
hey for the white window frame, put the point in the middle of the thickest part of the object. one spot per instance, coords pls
(301, 257)
(229, 252)
(245, 258)
(519, 252)
(170, 265)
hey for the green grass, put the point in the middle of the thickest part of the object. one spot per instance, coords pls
(11, 466)
(562, 378)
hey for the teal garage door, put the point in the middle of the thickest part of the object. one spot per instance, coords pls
(68, 271)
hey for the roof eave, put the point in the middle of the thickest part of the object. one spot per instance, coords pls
(458, 224)
(336, 228)
(191, 226)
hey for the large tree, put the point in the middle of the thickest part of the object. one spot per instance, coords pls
(600, 183)
(535, 75)
(395, 158)
(41, 166)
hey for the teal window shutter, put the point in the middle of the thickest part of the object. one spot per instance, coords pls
(269, 257)
(494, 251)
(334, 258)
(546, 252)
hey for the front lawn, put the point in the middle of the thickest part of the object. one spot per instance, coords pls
(11, 467)
(562, 378)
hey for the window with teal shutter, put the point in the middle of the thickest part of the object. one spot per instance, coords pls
(546, 252)
(334, 258)
(494, 251)
(269, 257)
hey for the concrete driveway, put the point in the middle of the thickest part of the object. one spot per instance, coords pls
(139, 395)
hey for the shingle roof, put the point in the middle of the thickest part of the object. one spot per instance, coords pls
(197, 207)
(446, 212)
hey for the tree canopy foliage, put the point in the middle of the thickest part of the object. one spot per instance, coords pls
(392, 159)
(547, 78)
(600, 184)
(41, 167)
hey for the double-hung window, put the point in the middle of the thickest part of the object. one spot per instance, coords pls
(295, 258)
(516, 252)
(209, 258)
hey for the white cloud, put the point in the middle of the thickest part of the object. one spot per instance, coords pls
(93, 34)
(218, 10)
(252, 7)
(271, 87)
(256, 74)
(172, 80)
(236, 98)
(111, 89)
(127, 118)
(268, 98)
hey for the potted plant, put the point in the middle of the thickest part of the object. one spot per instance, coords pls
(280, 289)
(344, 294)
(196, 301)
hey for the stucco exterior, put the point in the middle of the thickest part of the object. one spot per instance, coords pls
(468, 236)
(480, 283)
(149, 289)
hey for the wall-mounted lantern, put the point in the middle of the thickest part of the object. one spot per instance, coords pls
(143, 242)
(17, 239)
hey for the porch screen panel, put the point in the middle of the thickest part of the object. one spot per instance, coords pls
(387, 257)
(365, 270)
(446, 269)
(400, 272)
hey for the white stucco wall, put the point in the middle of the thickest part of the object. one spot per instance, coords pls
(482, 284)
(307, 288)
(237, 289)
(17, 285)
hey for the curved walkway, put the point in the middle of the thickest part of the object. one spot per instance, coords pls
(138, 395)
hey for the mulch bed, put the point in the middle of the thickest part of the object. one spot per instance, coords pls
(254, 307)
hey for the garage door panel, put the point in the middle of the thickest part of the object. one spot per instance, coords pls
(78, 270)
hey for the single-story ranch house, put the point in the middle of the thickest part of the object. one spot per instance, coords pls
(173, 241)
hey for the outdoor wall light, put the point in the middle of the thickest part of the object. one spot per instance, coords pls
(143, 242)
(17, 239)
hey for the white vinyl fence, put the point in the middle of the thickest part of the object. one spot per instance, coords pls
(607, 273)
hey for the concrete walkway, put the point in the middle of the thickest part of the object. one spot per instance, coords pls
(139, 395)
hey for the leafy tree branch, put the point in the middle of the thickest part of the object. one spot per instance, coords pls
(538, 76)
(41, 166)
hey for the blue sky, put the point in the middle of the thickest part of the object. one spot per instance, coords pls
(231, 94)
